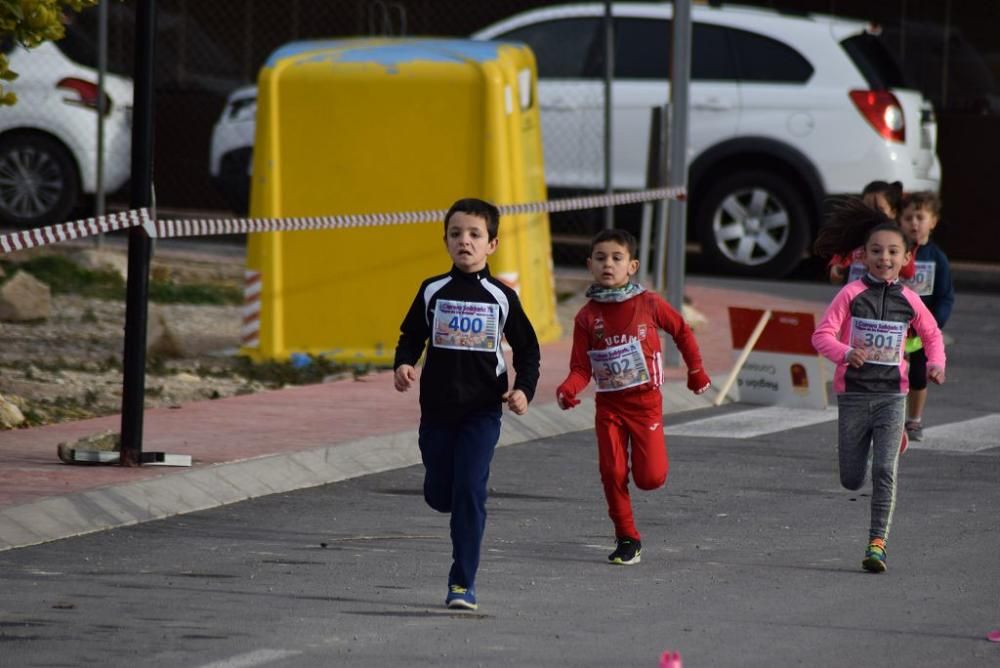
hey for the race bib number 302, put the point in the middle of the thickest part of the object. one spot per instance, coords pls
(619, 367)
(881, 340)
(466, 325)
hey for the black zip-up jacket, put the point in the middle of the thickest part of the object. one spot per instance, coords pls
(942, 298)
(454, 383)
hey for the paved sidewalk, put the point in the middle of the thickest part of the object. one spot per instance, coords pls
(282, 440)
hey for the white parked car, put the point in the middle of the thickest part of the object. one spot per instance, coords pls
(48, 139)
(784, 110)
(231, 154)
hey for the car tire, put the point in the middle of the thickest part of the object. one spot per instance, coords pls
(752, 223)
(39, 183)
(234, 180)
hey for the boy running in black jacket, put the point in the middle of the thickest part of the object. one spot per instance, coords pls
(463, 385)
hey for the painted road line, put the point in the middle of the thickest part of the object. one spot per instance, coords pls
(966, 436)
(256, 658)
(753, 423)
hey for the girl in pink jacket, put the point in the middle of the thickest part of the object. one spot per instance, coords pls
(862, 332)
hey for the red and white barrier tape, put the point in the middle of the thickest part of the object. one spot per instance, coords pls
(209, 226)
(53, 234)
(218, 226)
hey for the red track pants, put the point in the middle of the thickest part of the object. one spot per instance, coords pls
(623, 423)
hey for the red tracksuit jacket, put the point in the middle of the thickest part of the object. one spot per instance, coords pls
(601, 325)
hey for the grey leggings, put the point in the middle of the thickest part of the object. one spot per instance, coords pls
(871, 423)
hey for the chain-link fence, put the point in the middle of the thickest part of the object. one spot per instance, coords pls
(208, 55)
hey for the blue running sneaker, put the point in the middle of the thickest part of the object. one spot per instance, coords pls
(461, 598)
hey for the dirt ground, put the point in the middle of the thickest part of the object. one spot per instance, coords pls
(68, 367)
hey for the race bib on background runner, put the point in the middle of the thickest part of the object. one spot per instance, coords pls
(619, 367)
(881, 340)
(466, 325)
(923, 278)
(856, 271)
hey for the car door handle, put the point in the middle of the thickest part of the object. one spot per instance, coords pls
(558, 104)
(712, 104)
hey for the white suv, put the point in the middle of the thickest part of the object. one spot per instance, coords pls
(48, 139)
(784, 110)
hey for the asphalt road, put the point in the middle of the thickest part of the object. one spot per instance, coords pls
(751, 558)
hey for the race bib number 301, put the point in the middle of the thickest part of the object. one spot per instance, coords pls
(466, 325)
(619, 367)
(881, 340)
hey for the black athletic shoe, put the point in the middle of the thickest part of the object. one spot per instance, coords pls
(627, 553)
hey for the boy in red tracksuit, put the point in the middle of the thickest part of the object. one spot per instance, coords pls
(616, 340)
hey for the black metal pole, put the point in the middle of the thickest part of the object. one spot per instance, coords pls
(609, 76)
(677, 143)
(139, 244)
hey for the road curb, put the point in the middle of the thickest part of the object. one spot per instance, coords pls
(185, 491)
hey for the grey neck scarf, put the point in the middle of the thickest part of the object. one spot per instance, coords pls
(611, 295)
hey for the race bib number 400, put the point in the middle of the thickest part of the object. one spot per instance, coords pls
(619, 367)
(881, 340)
(923, 278)
(466, 325)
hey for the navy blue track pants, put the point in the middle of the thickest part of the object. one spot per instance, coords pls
(457, 458)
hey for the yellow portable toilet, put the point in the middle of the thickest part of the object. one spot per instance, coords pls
(357, 126)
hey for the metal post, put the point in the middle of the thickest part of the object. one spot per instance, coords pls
(655, 175)
(102, 67)
(661, 207)
(248, 70)
(680, 78)
(946, 53)
(609, 75)
(139, 244)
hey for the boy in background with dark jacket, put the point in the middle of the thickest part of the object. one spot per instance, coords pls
(932, 281)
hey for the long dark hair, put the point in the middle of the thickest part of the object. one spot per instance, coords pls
(892, 192)
(848, 223)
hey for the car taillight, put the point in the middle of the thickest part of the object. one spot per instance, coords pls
(882, 110)
(85, 93)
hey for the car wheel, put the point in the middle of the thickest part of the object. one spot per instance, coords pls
(39, 184)
(234, 179)
(752, 223)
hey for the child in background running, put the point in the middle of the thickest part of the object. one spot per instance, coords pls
(863, 332)
(932, 282)
(616, 339)
(887, 198)
(456, 322)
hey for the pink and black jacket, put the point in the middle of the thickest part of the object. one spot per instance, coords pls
(873, 299)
